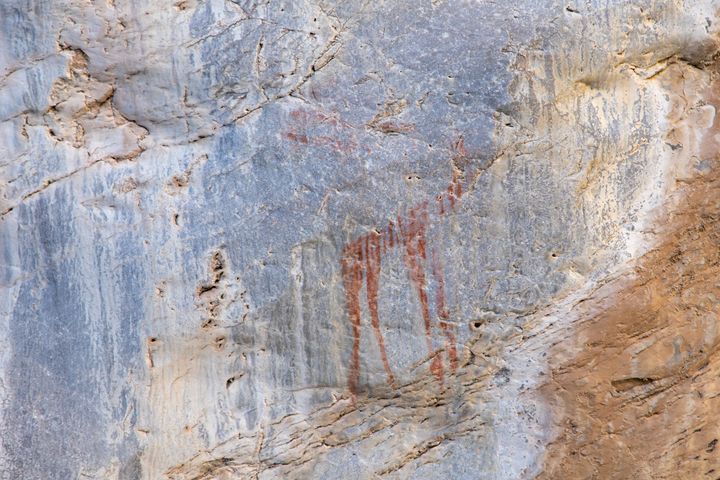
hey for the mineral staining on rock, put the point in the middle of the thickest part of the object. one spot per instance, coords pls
(454, 239)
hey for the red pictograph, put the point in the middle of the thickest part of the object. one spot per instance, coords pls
(362, 260)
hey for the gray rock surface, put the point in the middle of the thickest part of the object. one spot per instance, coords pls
(306, 239)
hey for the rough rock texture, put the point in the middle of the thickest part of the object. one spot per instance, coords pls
(308, 239)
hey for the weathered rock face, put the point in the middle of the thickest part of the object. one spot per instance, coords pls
(302, 239)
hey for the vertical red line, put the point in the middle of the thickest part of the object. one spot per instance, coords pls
(442, 312)
(413, 236)
(451, 196)
(455, 190)
(392, 239)
(456, 185)
(352, 281)
(372, 273)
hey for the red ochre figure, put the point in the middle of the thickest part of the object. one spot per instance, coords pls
(362, 258)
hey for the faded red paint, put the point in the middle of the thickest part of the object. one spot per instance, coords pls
(303, 129)
(458, 188)
(459, 147)
(294, 137)
(372, 274)
(413, 230)
(442, 312)
(392, 236)
(363, 257)
(352, 281)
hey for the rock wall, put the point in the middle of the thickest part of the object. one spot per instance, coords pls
(308, 239)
